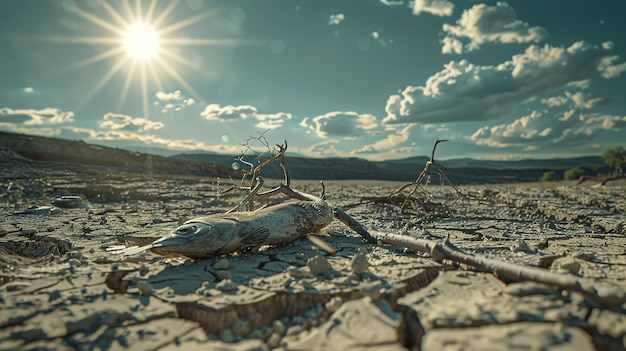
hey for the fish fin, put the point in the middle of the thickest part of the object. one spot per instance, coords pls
(256, 237)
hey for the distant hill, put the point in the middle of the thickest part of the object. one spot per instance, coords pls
(79, 152)
(463, 170)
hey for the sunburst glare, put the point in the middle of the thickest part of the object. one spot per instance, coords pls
(140, 43)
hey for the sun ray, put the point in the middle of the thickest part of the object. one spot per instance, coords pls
(176, 57)
(144, 91)
(159, 20)
(60, 39)
(116, 15)
(150, 12)
(139, 11)
(141, 40)
(129, 78)
(129, 11)
(179, 79)
(92, 59)
(102, 23)
(105, 79)
(185, 23)
(155, 76)
(210, 42)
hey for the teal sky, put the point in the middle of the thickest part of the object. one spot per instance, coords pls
(376, 79)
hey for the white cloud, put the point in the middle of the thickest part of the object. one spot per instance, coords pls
(342, 124)
(435, 7)
(230, 112)
(174, 101)
(483, 23)
(120, 122)
(32, 117)
(335, 20)
(611, 70)
(540, 129)
(391, 141)
(324, 148)
(451, 45)
(233, 113)
(463, 91)
(577, 99)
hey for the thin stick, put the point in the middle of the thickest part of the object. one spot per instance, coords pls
(615, 296)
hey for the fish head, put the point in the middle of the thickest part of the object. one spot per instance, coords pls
(196, 238)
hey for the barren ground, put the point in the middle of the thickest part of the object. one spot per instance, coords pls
(61, 289)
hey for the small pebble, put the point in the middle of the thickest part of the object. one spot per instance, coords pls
(241, 327)
(333, 305)
(359, 263)
(227, 285)
(221, 275)
(319, 264)
(298, 272)
(227, 335)
(278, 326)
(144, 287)
(294, 330)
(221, 264)
(273, 340)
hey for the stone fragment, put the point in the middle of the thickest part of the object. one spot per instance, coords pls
(357, 324)
(279, 327)
(221, 264)
(298, 272)
(359, 263)
(372, 290)
(241, 327)
(465, 299)
(319, 264)
(566, 264)
(517, 336)
(227, 335)
(520, 245)
(273, 340)
(227, 285)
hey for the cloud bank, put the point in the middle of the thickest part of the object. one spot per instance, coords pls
(463, 91)
(483, 23)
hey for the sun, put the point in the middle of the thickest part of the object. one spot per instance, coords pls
(141, 41)
(142, 44)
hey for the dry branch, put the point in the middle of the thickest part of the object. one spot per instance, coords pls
(592, 289)
(419, 196)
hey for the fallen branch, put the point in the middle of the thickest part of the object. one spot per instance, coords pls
(424, 200)
(590, 288)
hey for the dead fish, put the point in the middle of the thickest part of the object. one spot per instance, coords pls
(227, 233)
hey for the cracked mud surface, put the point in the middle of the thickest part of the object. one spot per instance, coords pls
(60, 289)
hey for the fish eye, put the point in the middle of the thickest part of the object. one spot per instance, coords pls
(186, 230)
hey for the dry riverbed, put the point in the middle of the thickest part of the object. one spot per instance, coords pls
(60, 288)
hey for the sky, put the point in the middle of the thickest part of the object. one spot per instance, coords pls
(374, 79)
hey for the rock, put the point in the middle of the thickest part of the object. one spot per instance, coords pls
(567, 264)
(279, 327)
(519, 336)
(357, 324)
(221, 264)
(359, 263)
(227, 335)
(70, 201)
(319, 265)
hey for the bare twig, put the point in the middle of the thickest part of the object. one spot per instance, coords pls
(592, 289)
(419, 196)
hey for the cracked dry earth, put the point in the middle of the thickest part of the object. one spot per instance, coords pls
(60, 289)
